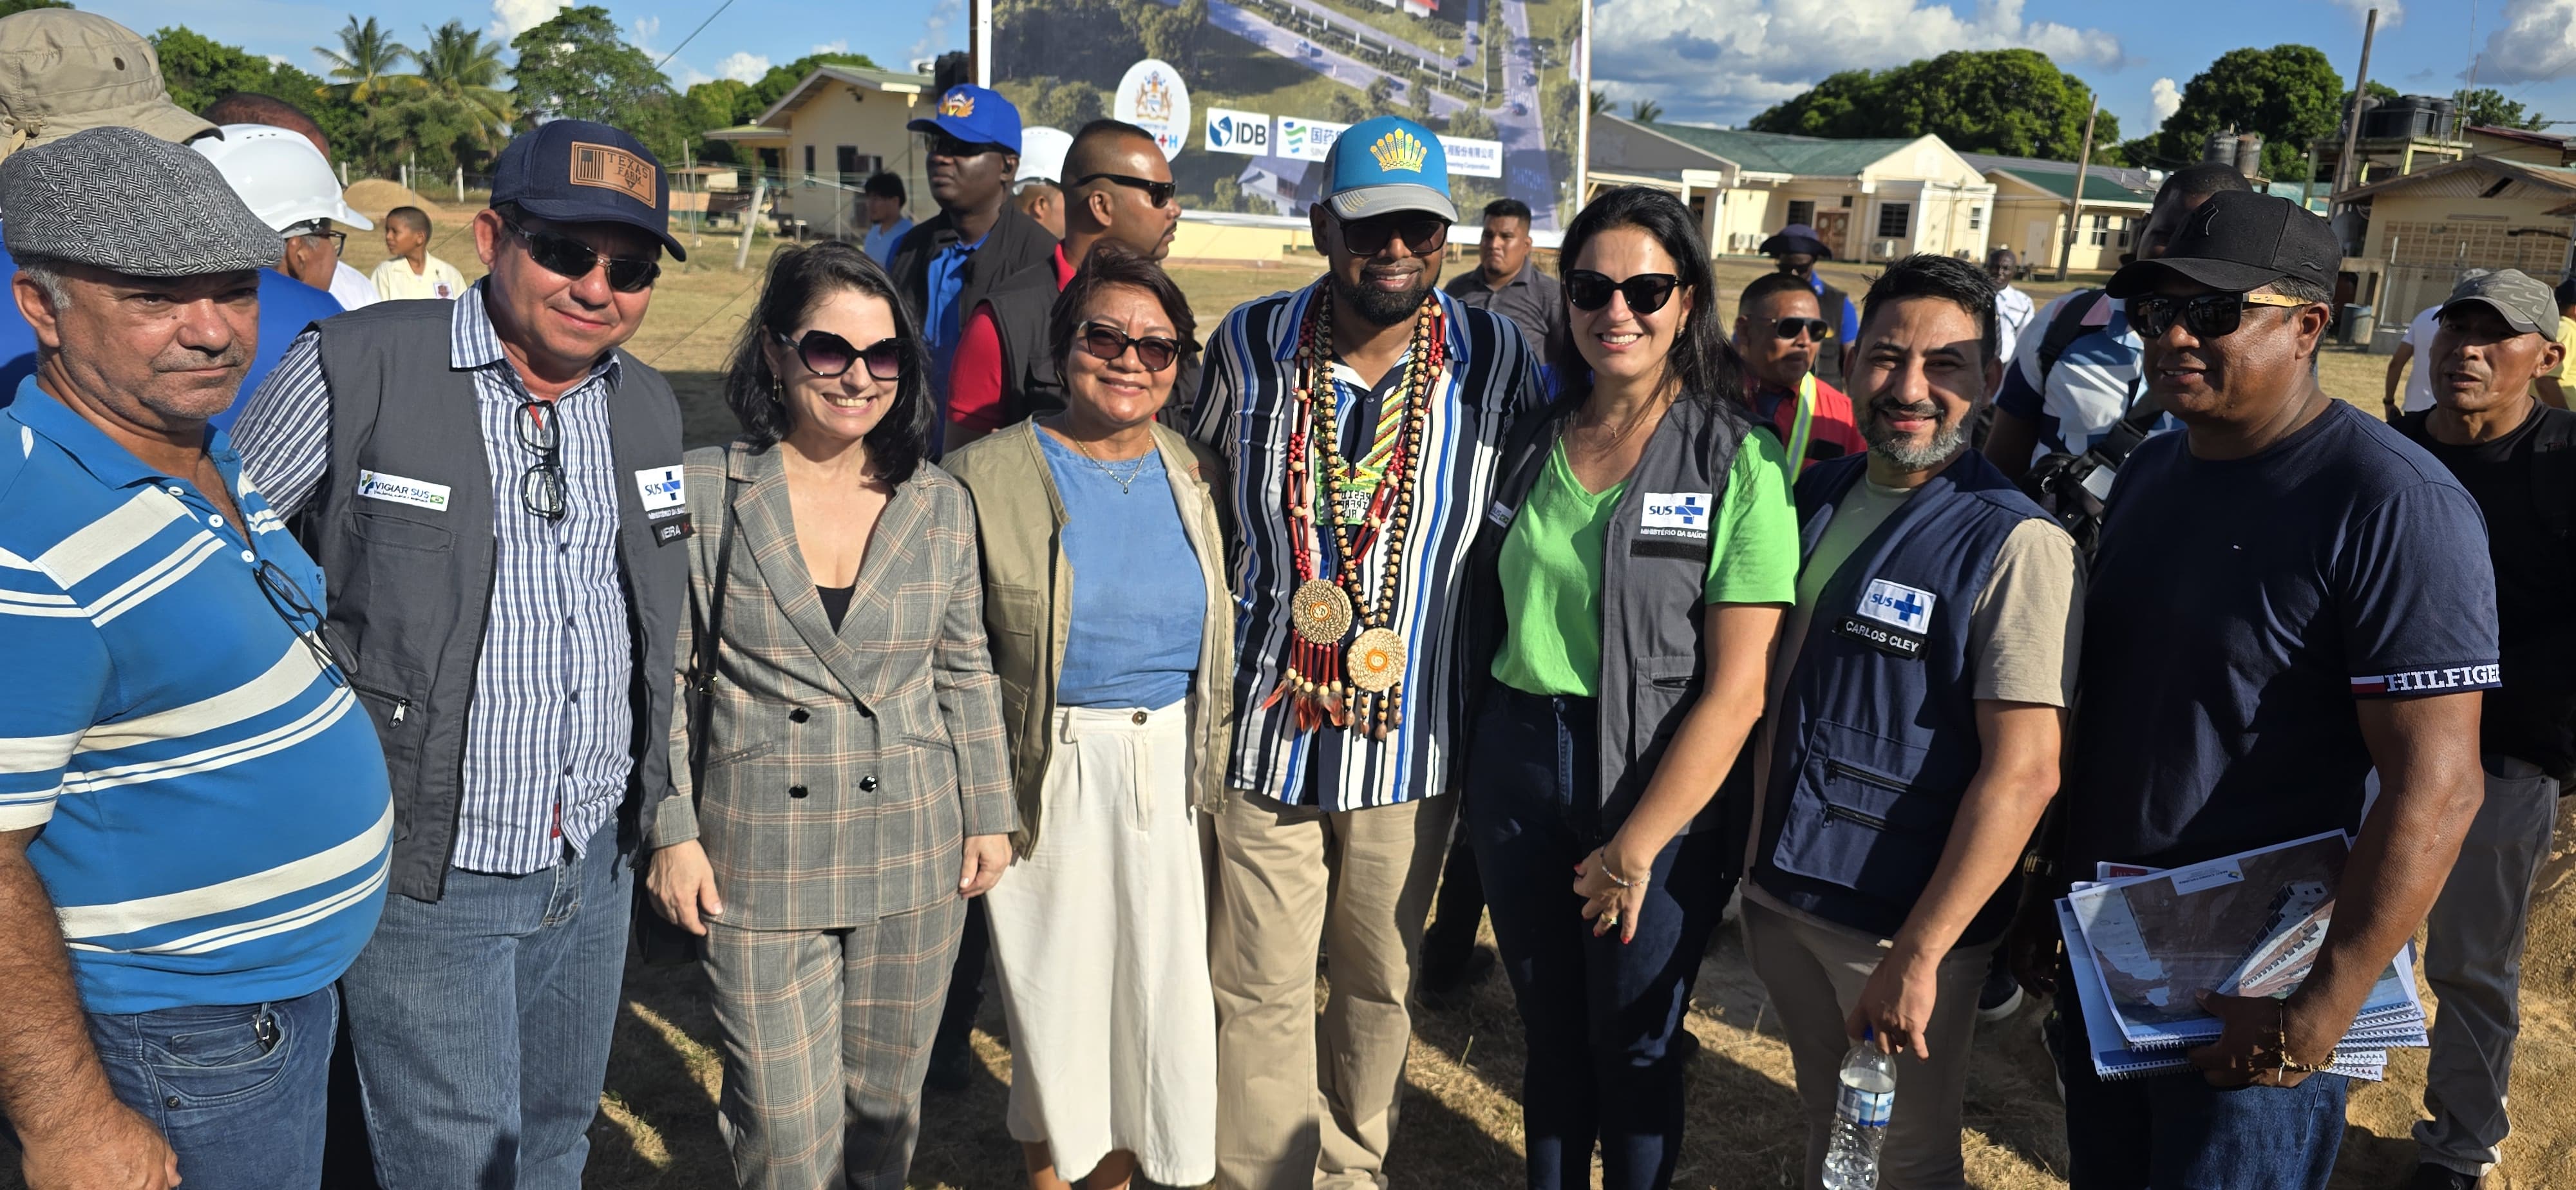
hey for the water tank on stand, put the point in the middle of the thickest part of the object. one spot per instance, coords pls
(2220, 147)
(2249, 154)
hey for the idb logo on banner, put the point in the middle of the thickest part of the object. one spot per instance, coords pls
(1230, 131)
(1474, 158)
(1307, 140)
(1152, 97)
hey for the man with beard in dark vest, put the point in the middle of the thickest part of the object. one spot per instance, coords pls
(1117, 187)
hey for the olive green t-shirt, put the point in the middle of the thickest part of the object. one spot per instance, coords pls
(1551, 565)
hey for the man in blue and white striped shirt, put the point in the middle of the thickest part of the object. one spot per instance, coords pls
(194, 812)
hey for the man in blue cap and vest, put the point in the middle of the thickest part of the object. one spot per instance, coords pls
(490, 484)
(948, 265)
(1365, 411)
(1795, 251)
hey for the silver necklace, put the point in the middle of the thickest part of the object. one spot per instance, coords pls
(1124, 482)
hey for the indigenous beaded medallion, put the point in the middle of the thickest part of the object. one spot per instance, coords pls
(1320, 611)
(1377, 660)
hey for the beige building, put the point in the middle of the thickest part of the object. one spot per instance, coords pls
(2034, 198)
(2483, 212)
(1867, 199)
(2516, 144)
(821, 140)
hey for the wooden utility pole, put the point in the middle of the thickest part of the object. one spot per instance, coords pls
(2352, 121)
(2083, 170)
(750, 220)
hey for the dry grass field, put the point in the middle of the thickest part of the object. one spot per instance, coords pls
(1461, 1125)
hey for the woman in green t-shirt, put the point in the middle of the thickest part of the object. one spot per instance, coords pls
(1631, 578)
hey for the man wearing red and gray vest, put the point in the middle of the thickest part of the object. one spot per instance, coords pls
(492, 486)
(1117, 187)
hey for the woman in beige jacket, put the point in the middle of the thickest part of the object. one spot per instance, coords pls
(1112, 633)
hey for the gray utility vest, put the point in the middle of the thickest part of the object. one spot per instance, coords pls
(1654, 586)
(409, 587)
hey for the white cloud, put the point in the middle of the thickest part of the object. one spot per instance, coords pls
(278, 60)
(2167, 100)
(742, 66)
(838, 45)
(1733, 58)
(2537, 43)
(2390, 11)
(511, 18)
(935, 35)
(646, 29)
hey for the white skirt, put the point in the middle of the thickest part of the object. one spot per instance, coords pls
(1100, 941)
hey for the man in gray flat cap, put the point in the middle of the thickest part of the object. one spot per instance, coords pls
(2517, 458)
(195, 818)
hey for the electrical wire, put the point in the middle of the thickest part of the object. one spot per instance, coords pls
(693, 35)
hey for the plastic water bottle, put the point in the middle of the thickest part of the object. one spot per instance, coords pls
(1868, 1094)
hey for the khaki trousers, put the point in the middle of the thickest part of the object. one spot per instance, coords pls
(1302, 1104)
(1815, 976)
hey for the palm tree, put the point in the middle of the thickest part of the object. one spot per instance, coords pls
(365, 61)
(1645, 111)
(457, 64)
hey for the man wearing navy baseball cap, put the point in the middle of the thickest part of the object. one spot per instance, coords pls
(1795, 251)
(491, 485)
(946, 266)
(1365, 411)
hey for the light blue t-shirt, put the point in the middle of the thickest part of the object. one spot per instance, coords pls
(1138, 603)
(879, 245)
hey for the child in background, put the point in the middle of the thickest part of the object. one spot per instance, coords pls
(409, 271)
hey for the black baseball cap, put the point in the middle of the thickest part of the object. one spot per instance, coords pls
(2237, 241)
(576, 171)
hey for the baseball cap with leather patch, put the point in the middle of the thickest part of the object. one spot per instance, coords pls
(576, 171)
(2238, 241)
(1388, 164)
(63, 72)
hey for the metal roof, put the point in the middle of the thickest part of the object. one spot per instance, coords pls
(858, 76)
(2096, 188)
(1777, 153)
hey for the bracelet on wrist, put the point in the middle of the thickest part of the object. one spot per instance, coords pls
(1609, 873)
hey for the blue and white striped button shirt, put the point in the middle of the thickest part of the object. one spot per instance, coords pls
(1246, 411)
(549, 734)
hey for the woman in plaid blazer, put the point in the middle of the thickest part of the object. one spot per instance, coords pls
(839, 755)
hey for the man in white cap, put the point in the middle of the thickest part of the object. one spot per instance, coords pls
(63, 71)
(289, 185)
(348, 286)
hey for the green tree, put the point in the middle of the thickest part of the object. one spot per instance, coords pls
(1174, 34)
(198, 70)
(459, 67)
(575, 66)
(2289, 93)
(9, 7)
(1645, 111)
(1342, 109)
(366, 60)
(1471, 124)
(2489, 107)
(780, 80)
(2014, 102)
(1059, 103)
(1417, 95)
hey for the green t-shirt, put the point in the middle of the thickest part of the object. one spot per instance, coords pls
(1551, 565)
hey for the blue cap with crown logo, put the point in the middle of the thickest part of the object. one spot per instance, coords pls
(1385, 165)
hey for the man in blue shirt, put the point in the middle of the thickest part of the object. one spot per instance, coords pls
(194, 813)
(887, 224)
(946, 267)
(2288, 595)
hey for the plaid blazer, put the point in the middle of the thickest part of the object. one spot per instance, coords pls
(841, 770)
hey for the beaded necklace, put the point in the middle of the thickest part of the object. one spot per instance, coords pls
(1323, 610)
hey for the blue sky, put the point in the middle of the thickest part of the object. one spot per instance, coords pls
(1745, 54)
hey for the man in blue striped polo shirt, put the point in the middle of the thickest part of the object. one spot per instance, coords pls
(194, 812)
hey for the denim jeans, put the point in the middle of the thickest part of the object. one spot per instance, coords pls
(237, 1090)
(2176, 1132)
(1599, 1017)
(481, 1024)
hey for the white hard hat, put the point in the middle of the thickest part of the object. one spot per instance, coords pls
(1042, 152)
(280, 175)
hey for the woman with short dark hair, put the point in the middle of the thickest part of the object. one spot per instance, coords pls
(1624, 595)
(1104, 573)
(838, 748)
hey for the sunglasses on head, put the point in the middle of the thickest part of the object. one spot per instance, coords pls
(2206, 316)
(1159, 194)
(1422, 234)
(828, 355)
(565, 256)
(1103, 342)
(1791, 328)
(1646, 292)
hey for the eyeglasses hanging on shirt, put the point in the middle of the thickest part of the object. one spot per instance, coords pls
(289, 602)
(541, 486)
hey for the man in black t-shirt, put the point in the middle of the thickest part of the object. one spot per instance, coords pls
(2288, 594)
(2517, 458)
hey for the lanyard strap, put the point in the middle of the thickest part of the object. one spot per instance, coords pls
(1798, 429)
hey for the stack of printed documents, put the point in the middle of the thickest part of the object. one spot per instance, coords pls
(2143, 942)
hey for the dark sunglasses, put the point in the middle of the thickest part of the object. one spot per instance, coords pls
(828, 355)
(2206, 316)
(1422, 234)
(1646, 292)
(1102, 342)
(944, 145)
(565, 256)
(541, 487)
(1788, 328)
(1157, 193)
(321, 229)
